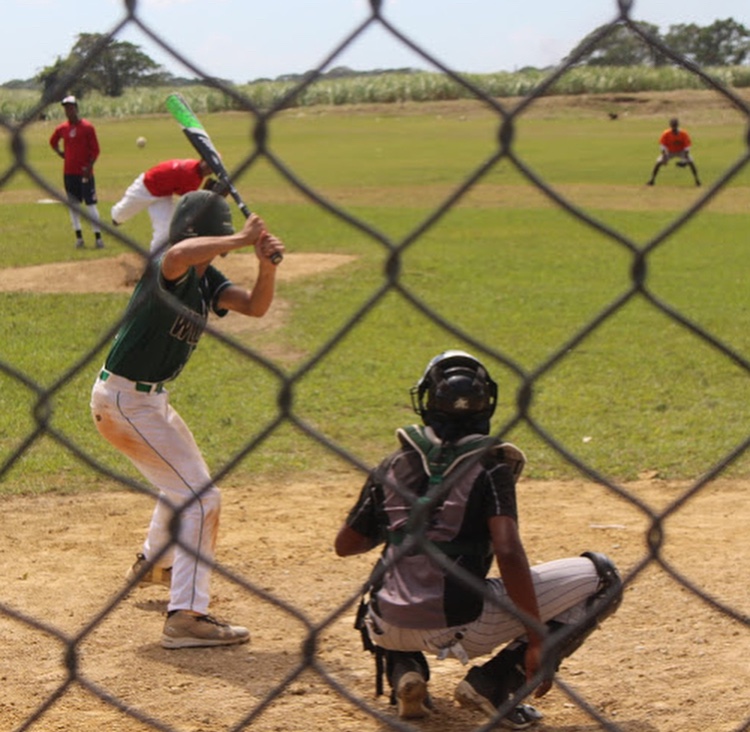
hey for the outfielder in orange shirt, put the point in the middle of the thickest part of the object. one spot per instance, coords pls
(675, 143)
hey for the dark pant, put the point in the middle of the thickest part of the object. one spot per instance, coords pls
(80, 189)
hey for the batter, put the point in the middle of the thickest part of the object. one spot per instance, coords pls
(130, 405)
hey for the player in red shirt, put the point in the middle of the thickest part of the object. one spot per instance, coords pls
(80, 151)
(155, 190)
(675, 143)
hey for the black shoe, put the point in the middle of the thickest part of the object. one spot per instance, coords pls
(522, 717)
(478, 692)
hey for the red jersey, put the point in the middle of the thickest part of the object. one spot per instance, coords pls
(675, 142)
(80, 146)
(173, 177)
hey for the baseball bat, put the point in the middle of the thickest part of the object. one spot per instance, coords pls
(196, 133)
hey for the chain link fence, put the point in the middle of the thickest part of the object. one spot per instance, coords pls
(393, 282)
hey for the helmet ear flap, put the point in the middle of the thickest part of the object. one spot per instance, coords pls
(491, 387)
(417, 393)
(430, 382)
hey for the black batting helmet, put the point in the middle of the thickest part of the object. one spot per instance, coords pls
(200, 213)
(455, 389)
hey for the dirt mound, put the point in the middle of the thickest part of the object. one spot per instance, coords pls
(119, 274)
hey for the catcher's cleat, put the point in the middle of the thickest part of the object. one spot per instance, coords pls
(522, 717)
(411, 696)
(477, 692)
(184, 629)
(155, 575)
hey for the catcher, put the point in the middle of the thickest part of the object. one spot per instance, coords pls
(442, 505)
(130, 404)
(675, 143)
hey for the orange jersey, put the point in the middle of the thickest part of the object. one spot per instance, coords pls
(675, 142)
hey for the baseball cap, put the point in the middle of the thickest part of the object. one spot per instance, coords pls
(200, 213)
(70, 99)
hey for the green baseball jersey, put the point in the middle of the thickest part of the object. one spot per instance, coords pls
(163, 324)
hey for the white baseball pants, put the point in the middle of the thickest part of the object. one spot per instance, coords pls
(144, 427)
(160, 209)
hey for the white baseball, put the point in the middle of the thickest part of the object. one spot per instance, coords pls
(141, 142)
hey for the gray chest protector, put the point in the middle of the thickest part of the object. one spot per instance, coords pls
(424, 529)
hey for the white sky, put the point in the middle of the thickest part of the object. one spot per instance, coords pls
(241, 40)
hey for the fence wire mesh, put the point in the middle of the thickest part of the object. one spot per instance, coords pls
(394, 281)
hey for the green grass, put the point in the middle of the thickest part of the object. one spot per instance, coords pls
(506, 266)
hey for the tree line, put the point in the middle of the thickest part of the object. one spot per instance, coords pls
(723, 43)
(116, 65)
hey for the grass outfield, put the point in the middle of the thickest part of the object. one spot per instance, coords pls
(506, 266)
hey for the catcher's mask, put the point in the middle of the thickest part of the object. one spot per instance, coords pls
(200, 213)
(455, 395)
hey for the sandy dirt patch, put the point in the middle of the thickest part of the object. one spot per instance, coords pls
(666, 661)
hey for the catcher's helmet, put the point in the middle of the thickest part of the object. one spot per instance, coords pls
(200, 213)
(455, 388)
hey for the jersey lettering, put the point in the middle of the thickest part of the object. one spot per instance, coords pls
(185, 329)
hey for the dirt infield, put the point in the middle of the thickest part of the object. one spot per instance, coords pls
(666, 661)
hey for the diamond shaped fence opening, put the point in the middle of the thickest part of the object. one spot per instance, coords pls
(300, 662)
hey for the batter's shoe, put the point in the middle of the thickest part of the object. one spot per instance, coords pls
(411, 696)
(155, 575)
(184, 629)
(479, 692)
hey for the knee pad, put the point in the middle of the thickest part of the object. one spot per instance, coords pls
(600, 605)
(609, 595)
